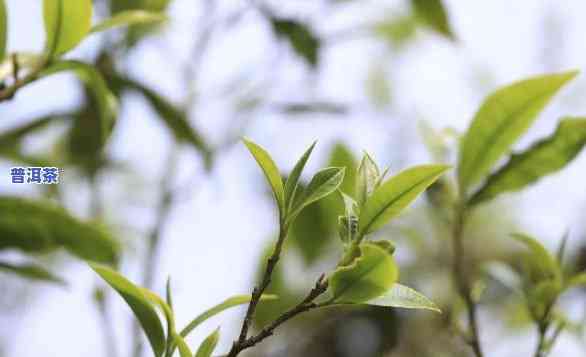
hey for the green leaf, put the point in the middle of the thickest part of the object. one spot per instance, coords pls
(129, 18)
(139, 303)
(3, 30)
(396, 30)
(368, 177)
(341, 156)
(433, 14)
(32, 272)
(271, 172)
(367, 277)
(301, 38)
(184, 350)
(14, 136)
(348, 223)
(404, 297)
(168, 295)
(208, 345)
(545, 157)
(541, 265)
(501, 120)
(92, 78)
(40, 226)
(541, 297)
(321, 185)
(293, 179)
(388, 200)
(226, 304)
(174, 118)
(576, 280)
(67, 23)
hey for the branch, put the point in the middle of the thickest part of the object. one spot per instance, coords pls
(260, 289)
(462, 281)
(305, 305)
(10, 91)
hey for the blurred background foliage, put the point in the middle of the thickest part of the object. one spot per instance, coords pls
(67, 138)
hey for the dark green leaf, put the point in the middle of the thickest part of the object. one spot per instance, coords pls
(501, 120)
(434, 15)
(13, 136)
(129, 18)
(545, 157)
(293, 179)
(32, 272)
(174, 118)
(40, 226)
(139, 303)
(67, 23)
(208, 345)
(367, 277)
(271, 172)
(404, 297)
(395, 194)
(303, 41)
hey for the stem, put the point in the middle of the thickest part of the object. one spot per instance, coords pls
(305, 305)
(461, 280)
(260, 289)
(541, 331)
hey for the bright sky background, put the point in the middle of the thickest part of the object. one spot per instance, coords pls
(210, 258)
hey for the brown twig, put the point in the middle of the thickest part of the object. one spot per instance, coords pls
(305, 305)
(260, 289)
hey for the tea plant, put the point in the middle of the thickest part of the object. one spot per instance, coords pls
(365, 273)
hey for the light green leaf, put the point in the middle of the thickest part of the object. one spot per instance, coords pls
(404, 297)
(91, 77)
(271, 172)
(434, 15)
(139, 303)
(341, 156)
(321, 185)
(388, 200)
(293, 179)
(541, 265)
(368, 176)
(168, 295)
(129, 18)
(543, 158)
(3, 30)
(40, 226)
(501, 120)
(32, 272)
(367, 277)
(184, 350)
(208, 345)
(226, 304)
(67, 23)
(541, 297)
(576, 280)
